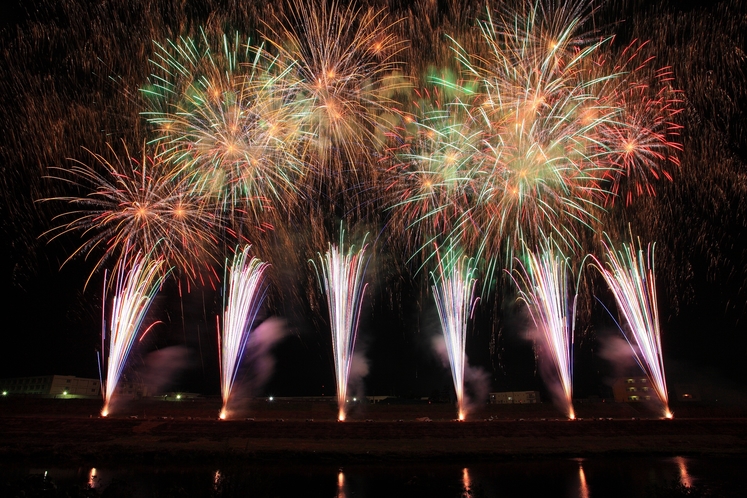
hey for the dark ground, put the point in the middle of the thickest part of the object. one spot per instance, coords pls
(150, 431)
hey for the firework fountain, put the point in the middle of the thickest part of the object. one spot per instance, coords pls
(342, 278)
(543, 286)
(453, 289)
(136, 285)
(245, 296)
(630, 275)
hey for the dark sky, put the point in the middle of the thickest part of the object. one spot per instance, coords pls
(56, 97)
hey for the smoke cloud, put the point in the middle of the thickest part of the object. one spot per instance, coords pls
(548, 369)
(259, 362)
(162, 368)
(476, 379)
(616, 350)
(358, 371)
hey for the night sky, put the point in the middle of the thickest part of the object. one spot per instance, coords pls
(69, 77)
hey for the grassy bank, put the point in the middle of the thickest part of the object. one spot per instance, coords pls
(161, 432)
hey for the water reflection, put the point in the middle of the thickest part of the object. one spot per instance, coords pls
(466, 483)
(217, 481)
(341, 488)
(583, 491)
(685, 478)
(608, 477)
(93, 480)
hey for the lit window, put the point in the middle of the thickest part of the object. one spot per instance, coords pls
(631, 381)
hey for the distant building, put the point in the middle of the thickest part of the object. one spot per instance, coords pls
(131, 389)
(514, 398)
(51, 385)
(632, 389)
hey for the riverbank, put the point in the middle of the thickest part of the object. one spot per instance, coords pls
(51, 431)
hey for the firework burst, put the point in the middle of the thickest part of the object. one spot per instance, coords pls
(227, 120)
(133, 206)
(433, 177)
(540, 131)
(508, 152)
(539, 175)
(344, 61)
(642, 140)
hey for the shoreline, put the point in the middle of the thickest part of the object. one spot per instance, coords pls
(155, 441)
(51, 431)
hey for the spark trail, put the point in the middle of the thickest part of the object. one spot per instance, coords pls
(543, 286)
(342, 278)
(453, 290)
(630, 275)
(136, 285)
(245, 296)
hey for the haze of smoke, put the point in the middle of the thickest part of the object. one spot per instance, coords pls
(618, 353)
(358, 371)
(476, 379)
(162, 367)
(258, 357)
(477, 387)
(547, 370)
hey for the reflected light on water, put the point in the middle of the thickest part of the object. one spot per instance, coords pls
(92, 480)
(217, 478)
(466, 483)
(583, 486)
(341, 491)
(685, 477)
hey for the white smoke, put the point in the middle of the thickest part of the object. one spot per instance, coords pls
(476, 379)
(162, 368)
